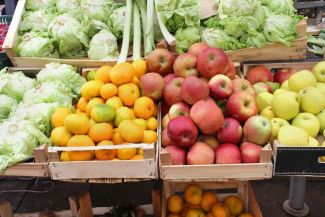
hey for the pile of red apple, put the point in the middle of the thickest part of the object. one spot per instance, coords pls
(210, 114)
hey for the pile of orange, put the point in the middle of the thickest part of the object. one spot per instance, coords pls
(196, 203)
(111, 111)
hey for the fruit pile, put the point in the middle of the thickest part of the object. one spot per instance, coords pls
(111, 111)
(198, 203)
(3, 33)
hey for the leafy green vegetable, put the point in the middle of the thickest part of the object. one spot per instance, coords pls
(186, 37)
(65, 6)
(36, 44)
(36, 20)
(280, 6)
(257, 40)
(103, 46)
(7, 106)
(66, 74)
(316, 41)
(17, 141)
(213, 22)
(98, 9)
(228, 8)
(261, 13)
(116, 21)
(34, 5)
(218, 38)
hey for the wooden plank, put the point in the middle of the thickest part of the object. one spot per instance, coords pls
(40, 154)
(28, 170)
(5, 209)
(85, 206)
(145, 146)
(253, 206)
(156, 202)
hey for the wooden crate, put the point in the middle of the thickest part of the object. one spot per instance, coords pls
(242, 188)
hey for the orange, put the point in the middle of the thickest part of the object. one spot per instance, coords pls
(91, 89)
(115, 159)
(82, 103)
(135, 80)
(123, 113)
(220, 210)
(174, 204)
(130, 131)
(144, 107)
(59, 116)
(140, 67)
(141, 122)
(139, 151)
(77, 123)
(82, 113)
(93, 102)
(105, 154)
(193, 194)
(155, 111)
(102, 113)
(209, 214)
(195, 212)
(128, 93)
(79, 141)
(187, 207)
(117, 138)
(208, 199)
(92, 122)
(126, 153)
(174, 215)
(60, 136)
(91, 75)
(122, 73)
(100, 132)
(64, 156)
(246, 214)
(102, 74)
(137, 157)
(152, 123)
(149, 136)
(108, 90)
(115, 102)
(234, 204)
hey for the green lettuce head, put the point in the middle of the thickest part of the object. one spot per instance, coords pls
(280, 6)
(8, 105)
(186, 37)
(36, 20)
(34, 5)
(98, 9)
(65, 6)
(116, 21)
(256, 40)
(227, 8)
(103, 46)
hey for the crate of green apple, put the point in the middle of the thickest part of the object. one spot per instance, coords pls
(211, 127)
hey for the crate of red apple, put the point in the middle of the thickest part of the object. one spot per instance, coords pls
(211, 127)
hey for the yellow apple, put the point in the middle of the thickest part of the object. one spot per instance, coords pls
(263, 100)
(311, 100)
(292, 136)
(307, 122)
(313, 142)
(276, 123)
(321, 118)
(268, 113)
(285, 105)
(300, 80)
(285, 85)
(319, 71)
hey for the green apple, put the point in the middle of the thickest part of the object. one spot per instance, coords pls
(319, 71)
(279, 91)
(285, 105)
(302, 79)
(273, 85)
(311, 100)
(292, 136)
(268, 113)
(276, 123)
(307, 122)
(321, 86)
(321, 118)
(263, 100)
(313, 142)
(285, 85)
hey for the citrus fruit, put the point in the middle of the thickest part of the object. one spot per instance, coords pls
(149, 136)
(77, 123)
(117, 138)
(139, 151)
(93, 102)
(115, 159)
(60, 136)
(122, 73)
(208, 199)
(105, 154)
(220, 210)
(102, 113)
(92, 122)
(91, 89)
(195, 212)
(91, 75)
(123, 113)
(137, 157)
(79, 141)
(210, 214)
(115, 102)
(102, 74)
(64, 156)
(82, 104)
(135, 80)
(174, 215)
(144, 107)
(101, 131)
(193, 194)
(141, 122)
(126, 153)
(128, 93)
(174, 204)
(59, 116)
(152, 123)
(130, 131)
(234, 204)
(140, 67)
(108, 90)
(246, 214)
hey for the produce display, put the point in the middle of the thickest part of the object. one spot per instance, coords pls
(27, 106)
(3, 33)
(196, 202)
(111, 111)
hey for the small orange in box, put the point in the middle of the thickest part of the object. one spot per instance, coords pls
(82, 104)
(195, 212)
(92, 103)
(126, 153)
(101, 131)
(122, 73)
(115, 102)
(102, 74)
(59, 116)
(137, 157)
(140, 67)
(77, 124)
(128, 93)
(117, 138)
(208, 199)
(175, 204)
(209, 214)
(144, 107)
(79, 141)
(220, 210)
(91, 89)
(108, 90)
(193, 194)
(234, 204)
(105, 154)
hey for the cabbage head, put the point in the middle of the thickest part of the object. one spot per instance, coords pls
(186, 37)
(116, 21)
(218, 38)
(256, 40)
(103, 46)
(36, 20)
(280, 6)
(8, 106)
(98, 9)
(64, 6)
(34, 5)
(227, 8)
(64, 73)
(36, 44)
(17, 141)
(15, 84)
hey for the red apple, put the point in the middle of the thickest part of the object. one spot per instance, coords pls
(242, 85)
(220, 87)
(261, 87)
(257, 129)
(231, 72)
(160, 61)
(165, 121)
(178, 154)
(281, 75)
(200, 153)
(165, 140)
(193, 90)
(210, 140)
(227, 153)
(179, 109)
(231, 131)
(207, 115)
(172, 91)
(259, 74)
(198, 48)
(250, 152)
(169, 77)
(152, 85)
(183, 131)
(241, 106)
(212, 61)
(185, 65)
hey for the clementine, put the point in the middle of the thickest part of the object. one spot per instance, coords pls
(122, 73)
(174, 204)
(208, 199)
(101, 131)
(105, 154)
(102, 74)
(193, 194)
(78, 141)
(144, 107)
(108, 90)
(234, 204)
(128, 93)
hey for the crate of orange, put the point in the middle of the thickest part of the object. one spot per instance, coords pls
(209, 198)
(111, 133)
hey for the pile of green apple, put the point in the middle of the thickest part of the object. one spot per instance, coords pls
(297, 109)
